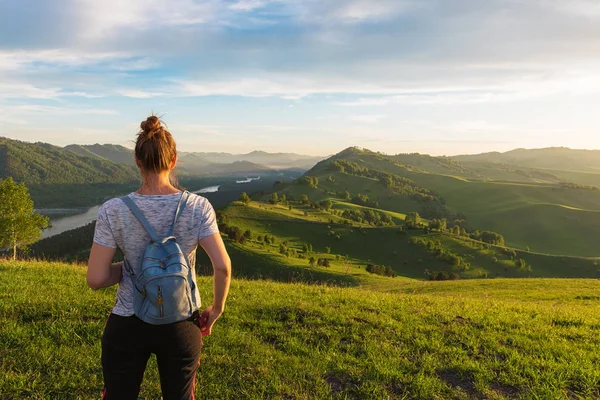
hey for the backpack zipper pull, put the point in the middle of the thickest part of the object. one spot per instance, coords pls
(159, 301)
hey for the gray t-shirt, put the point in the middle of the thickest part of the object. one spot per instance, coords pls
(118, 227)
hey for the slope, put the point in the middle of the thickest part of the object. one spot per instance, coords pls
(112, 152)
(34, 163)
(546, 217)
(497, 339)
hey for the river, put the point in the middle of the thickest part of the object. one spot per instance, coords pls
(63, 224)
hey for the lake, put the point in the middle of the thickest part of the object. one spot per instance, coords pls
(77, 217)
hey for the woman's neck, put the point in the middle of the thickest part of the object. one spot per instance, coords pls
(157, 184)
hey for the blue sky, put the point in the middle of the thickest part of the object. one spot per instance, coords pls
(308, 76)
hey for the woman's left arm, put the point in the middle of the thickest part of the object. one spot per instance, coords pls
(101, 272)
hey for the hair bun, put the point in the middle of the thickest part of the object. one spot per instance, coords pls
(151, 124)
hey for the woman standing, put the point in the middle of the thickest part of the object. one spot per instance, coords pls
(128, 341)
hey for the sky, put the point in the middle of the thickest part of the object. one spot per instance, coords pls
(305, 76)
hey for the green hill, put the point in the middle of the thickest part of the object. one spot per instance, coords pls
(546, 216)
(493, 339)
(557, 158)
(350, 248)
(42, 163)
(111, 152)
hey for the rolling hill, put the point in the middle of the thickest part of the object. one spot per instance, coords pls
(196, 162)
(43, 163)
(546, 217)
(493, 339)
(557, 158)
(111, 152)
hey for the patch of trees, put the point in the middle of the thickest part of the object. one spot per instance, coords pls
(381, 270)
(571, 185)
(321, 262)
(441, 275)
(363, 200)
(488, 237)
(310, 181)
(438, 224)
(397, 184)
(441, 253)
(412, 220)
(368, 217)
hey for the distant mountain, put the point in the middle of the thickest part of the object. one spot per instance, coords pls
(35, 163)
(112, 152)
(555, 158)
(273, 160)
(237, 167)
(194, 162)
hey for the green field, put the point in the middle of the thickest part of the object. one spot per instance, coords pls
(493, 339)
(528, 212)
(362, 244)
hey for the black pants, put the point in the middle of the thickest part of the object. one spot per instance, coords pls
(127, 343)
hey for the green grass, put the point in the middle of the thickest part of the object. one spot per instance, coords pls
(495, 339)
(529, 212)
(545, 218)
(362, 244)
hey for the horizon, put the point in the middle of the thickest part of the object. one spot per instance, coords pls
(321, 155)
(309, 77)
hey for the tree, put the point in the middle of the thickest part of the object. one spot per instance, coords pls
(274, 198)
(326, 204)
(304, 199)
(283, 199)
(312, 261)
(327, 250)
(248, 234)
(412, 219)
(19, 224)
(235, 234)
(244, 198)
(386, 181)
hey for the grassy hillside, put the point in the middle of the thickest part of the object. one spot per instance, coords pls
(494, 339)
(535, 212)
(546, 218)
(559, 158)
(42, 163)
(112, 152)
(351, 248)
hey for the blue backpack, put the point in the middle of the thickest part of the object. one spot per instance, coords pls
(164, 288)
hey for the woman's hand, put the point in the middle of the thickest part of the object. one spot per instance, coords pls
(207, 319)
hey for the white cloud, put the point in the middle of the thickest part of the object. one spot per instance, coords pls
(138, 94)
(367, 119)
(99, 19)
(35, 109)
(360, 10)
(13, 60)
(247, 5)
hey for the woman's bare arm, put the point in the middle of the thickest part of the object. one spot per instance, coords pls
(215, 248)
(101, 272)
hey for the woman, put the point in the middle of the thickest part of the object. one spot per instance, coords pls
(127, 341)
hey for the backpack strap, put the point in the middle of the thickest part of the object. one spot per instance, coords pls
(182, 202)
(138, 214)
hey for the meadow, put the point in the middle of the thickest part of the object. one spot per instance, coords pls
(493, 339)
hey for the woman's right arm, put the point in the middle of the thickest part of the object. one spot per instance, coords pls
(215, 248)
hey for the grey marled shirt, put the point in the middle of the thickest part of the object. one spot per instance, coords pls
(117, 227)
